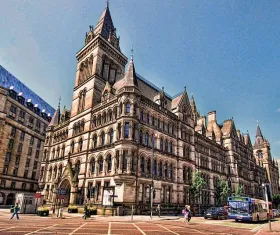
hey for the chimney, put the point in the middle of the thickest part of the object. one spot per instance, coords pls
(212, 116)
(202, 121)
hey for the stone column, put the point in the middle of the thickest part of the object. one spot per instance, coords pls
(121, 162)
(132, 109)
(122, 130)
(123, 109)
(73, 195)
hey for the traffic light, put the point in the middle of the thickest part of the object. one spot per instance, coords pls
(154, 194)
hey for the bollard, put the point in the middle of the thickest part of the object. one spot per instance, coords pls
(132, 212)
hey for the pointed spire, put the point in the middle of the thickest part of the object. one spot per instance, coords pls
(258, 132)
(130, 76)
(131, 58)
(105, 24)
(56, 117)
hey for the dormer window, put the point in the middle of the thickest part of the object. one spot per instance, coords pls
(21, 99)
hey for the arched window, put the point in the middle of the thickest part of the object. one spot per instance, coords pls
(80, 145)
(55, 173)
(125, 156)
(60, 171)
(94, 141)
(104, 118)
(92, 165)
(161, 144)
(127, 108)
(141, 116)
(166, 146)
(111, 135)
(149, 166)
(63, 151)
(77, 167)
(102, 138)
(148, 118)
(94, 122)
(171, 171)
(110, 116)
(72, 147)
(166, 170)
(171, 147)
(142, 165)
(58, 152)
(53, 153)
(45, 154)
(50, 174)
(190, 174)
(146, 139)
(100, 163)
(141, 137)
(184, 174)
(155, 167)
(109, 162)
(160, 169)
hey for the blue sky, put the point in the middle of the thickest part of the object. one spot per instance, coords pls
(225, 52)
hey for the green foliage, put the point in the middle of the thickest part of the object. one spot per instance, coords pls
(276, 200)
(197, 185)
(221, 192)
(238, 190)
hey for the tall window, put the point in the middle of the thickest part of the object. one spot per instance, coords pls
(161, 144)
(117, 159)
(171, 171)
(63, 151)
(31, 142)
(94, 141)
(142, 165)
(11, 144)
(141, 116)
(148, 118)
(92, 165)
(126, 130)
(111, 134)
(146, 139)
(100, 163)
(160, 169)
(155, 167)
(125, 156)
(127, 108)
(109, 162)
(80, 145)
(22, 134)
(140, 136)
(102, 138)
(149, 166)
(171, 147)
(166, 146)
(72, 147)
(13, 132)
(166, 170)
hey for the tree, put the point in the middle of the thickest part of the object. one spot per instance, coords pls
(221, 192)
(276, 200)
(238, 190)
(197, 186)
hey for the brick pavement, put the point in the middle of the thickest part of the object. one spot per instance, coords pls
(32, 224)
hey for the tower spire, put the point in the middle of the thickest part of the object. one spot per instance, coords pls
(132, 53)
(107, 4)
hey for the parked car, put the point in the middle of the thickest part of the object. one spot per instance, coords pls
(216, 213)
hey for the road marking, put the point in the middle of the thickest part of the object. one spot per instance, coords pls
(139, 229)
(109, 228)
(41, 229)
(78, 228)
(167, 229)
(6, 228)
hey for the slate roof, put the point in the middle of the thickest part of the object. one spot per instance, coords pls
(105, 24)
(7, 80)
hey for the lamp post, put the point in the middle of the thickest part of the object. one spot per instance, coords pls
(152, 165)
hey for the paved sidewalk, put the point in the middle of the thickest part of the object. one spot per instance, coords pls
(275, 229)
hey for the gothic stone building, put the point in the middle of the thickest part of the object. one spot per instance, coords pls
(24, 117)
(122, 130)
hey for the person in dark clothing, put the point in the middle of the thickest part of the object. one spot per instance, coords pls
(85, 211)
(16, 210)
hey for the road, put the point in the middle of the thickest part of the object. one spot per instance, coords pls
(31, 224)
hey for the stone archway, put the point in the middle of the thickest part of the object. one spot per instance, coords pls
(65, 184)
(2, 198)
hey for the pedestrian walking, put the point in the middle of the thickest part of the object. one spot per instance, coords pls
(16, 210)
(158, 210)
(85, 211)
(189, 213)
(186, 214)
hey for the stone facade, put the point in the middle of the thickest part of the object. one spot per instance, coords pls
(22, 130)
(125, 134)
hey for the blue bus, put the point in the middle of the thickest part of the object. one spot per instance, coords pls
(247, 209)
